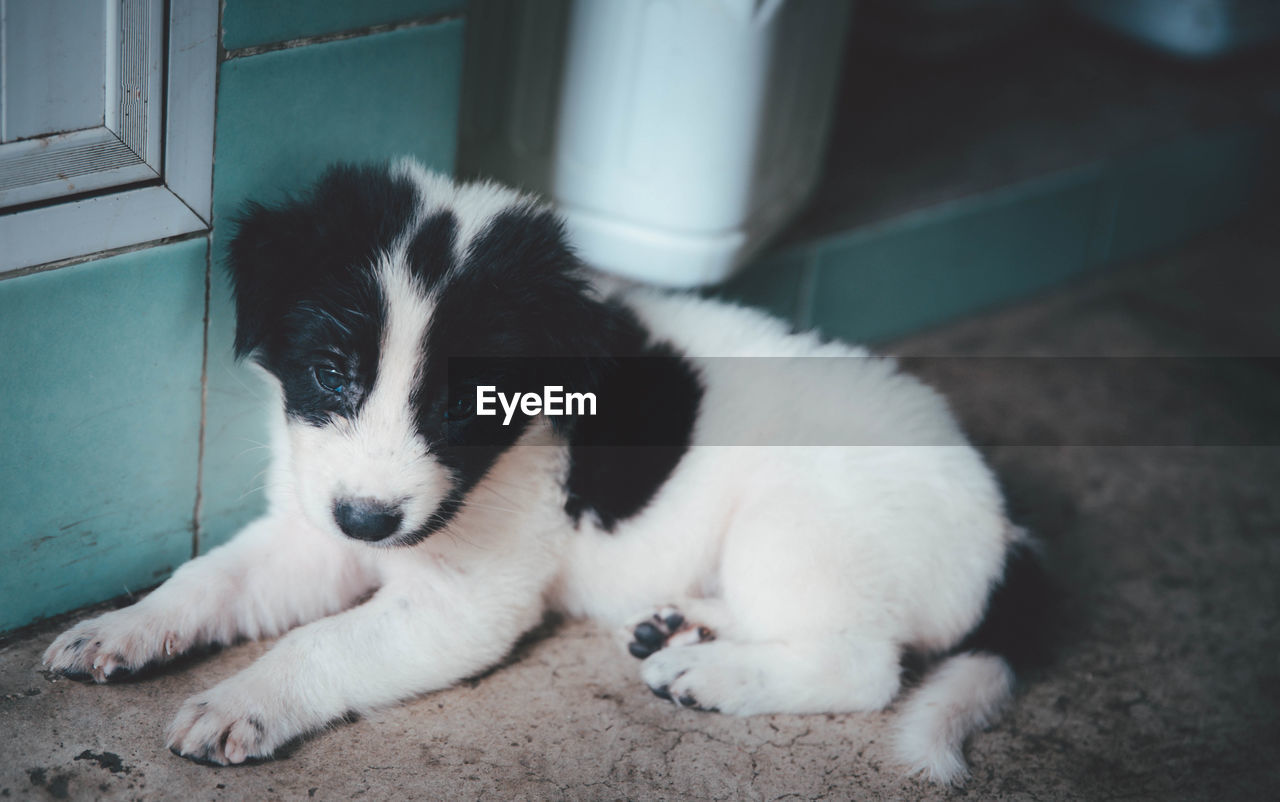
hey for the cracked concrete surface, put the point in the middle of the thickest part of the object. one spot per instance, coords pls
(1167, 684)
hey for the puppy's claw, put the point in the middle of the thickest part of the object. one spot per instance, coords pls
(225, 726)
(113, 646)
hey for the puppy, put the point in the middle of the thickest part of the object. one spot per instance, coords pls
(774, 541)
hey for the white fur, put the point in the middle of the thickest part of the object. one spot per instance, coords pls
(814, 566)
(965, 693)
(378, 454)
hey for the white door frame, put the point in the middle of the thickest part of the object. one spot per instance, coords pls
(180, 200)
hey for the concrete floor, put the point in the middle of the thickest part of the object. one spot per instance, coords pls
(1158, 498)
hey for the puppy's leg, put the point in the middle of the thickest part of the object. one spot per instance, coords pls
(810, 676)
(807, 625)
(272, 576)
(411, 637)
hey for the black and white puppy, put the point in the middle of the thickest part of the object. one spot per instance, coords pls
(788, 577)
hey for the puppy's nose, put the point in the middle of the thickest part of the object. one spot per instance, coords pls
(366, 518)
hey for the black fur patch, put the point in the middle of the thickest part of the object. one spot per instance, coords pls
(306, 298)
(1020, 624)
(430, 251)
(621, 457)
(329, 333)
(518, 304)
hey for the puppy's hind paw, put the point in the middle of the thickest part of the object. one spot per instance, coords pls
(666, 627)
(707, 678)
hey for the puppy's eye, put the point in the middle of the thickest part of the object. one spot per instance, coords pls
(332, 380)
(461, 406)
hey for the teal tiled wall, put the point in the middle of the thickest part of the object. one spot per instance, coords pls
(247, 23)
(100, 407)
(889, 281)
(921, 269)
(1184, 187)
(100, 430)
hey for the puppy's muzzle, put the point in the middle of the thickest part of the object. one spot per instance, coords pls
(367, 518)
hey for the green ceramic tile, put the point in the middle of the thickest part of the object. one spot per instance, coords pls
(282, 117)
(919, 271)
(1175, 191)
(773, 282)
(258, 22)
(100, 425)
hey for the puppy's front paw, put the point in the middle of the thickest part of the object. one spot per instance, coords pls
(113, 645)
(225, 726)
(666, 627)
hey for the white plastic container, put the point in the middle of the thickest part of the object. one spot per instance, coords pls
(676, 136)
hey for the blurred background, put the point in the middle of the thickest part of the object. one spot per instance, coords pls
(1055, 186)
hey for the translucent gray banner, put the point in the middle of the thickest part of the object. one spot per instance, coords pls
(874, 401)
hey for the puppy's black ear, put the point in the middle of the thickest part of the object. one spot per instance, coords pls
(262, 261)
(285, 253)
(529, 270)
